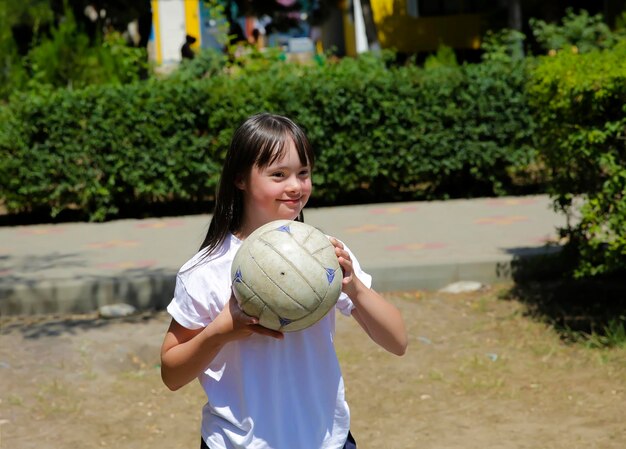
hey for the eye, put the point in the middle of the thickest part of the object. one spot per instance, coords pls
(304, 172)
(277, 174)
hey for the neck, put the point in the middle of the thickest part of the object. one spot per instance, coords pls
(248, 227)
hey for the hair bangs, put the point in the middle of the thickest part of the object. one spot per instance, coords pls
(274, 148)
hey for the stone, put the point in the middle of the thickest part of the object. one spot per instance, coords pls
(116, 310)
(464, 287)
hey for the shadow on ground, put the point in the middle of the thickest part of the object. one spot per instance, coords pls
(58, 326)
(572, 306)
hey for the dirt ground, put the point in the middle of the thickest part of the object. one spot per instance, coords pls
(479, 373)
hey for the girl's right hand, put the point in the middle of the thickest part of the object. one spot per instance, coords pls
(186, 353)
(242, 325)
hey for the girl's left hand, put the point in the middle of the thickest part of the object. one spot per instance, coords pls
(380, 319)
(345, 262)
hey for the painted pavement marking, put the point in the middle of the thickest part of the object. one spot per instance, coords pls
(371, 228)
(416, 246)
(392, 210)
(128, 265)
(113, 244)
(501, 219)
(161, 224)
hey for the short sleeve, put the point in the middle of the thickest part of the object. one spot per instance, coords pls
(344, 304)
(186, 310)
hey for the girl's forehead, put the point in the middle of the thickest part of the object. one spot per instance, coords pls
(287, 160)
(286, 153)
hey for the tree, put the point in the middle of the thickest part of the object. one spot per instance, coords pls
(58, 43)
(95, 16)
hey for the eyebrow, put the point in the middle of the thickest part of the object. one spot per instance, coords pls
(284, 167)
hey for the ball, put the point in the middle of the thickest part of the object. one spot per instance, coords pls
(287, 275)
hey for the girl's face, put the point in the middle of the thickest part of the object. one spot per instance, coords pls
(276, 192)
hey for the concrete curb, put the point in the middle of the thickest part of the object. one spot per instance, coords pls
(154, 291)
(65, 296)
(434, 277)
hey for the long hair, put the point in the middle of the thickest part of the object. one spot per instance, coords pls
(259, 141)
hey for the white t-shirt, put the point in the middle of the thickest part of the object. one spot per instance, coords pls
(264, 393)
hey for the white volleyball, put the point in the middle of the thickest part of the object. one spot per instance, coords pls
(287, 275)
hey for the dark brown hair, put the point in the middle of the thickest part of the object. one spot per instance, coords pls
(259, 142)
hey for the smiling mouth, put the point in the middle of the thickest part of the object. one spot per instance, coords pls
(291, 201)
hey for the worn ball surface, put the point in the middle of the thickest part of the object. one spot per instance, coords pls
(287, 275)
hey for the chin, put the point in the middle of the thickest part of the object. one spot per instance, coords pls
(290, 216)
(289, 211)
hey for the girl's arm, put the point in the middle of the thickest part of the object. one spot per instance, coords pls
(380, 319)
(186, 353)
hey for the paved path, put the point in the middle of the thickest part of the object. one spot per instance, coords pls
(77, 267)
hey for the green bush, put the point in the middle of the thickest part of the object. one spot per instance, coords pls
(64, 57)
(105, 148)
(381, 133)
(13, 74)
(581, 31)
(407, 133)
(68, 59)
(474, 127)
(579, 100)
(207, 63)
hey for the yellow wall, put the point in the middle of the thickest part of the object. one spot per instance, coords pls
(156, 31)
(398, 30)
(192, 21)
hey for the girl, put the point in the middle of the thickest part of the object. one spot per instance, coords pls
(265, 389)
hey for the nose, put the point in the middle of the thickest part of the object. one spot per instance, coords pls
(294, 186)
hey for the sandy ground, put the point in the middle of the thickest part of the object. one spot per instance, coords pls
(479, 373)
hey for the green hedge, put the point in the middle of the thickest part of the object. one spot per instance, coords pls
(580, 104)
(381, 133)
(104, 148)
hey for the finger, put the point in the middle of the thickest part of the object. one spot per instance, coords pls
(336, 243)
(237, 313)
(346, 268)
(341, 252)
(247, 319)
(344, 259)
(240, 316)
(257, 328)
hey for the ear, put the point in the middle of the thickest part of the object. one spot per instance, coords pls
(240, 182)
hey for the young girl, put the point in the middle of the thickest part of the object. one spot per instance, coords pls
(265, 389)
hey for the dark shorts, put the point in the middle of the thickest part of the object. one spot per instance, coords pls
(350, 443)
